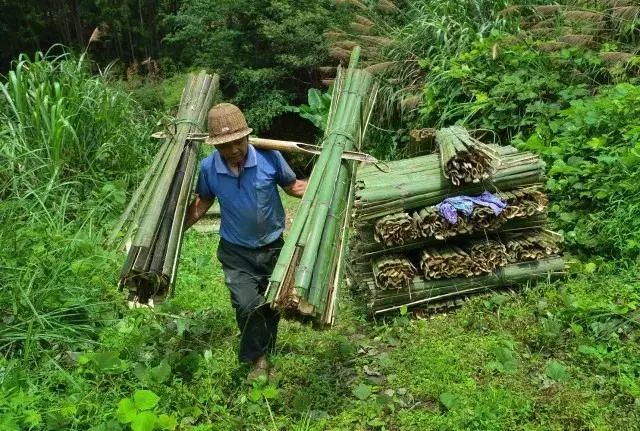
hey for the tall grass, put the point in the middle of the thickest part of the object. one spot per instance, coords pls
(70, 147)
(432, 31)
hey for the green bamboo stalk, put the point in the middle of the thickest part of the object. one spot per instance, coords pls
(305, 268)
(159, 157)
(322, 266)
(189, 116)
(286, 255)
(424, 291)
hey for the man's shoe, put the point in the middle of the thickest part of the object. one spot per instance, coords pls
(260, 369)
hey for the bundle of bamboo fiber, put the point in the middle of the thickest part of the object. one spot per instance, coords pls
(523, 203)
(420, 183)
(305, 279)
(400, 228)
(479, 257)
(154, 234)
(364, 245)
(395, 229)
(487, 255)
(447, 262)
(523, 247)
(393, 272)
(422, 292)
(463, 158)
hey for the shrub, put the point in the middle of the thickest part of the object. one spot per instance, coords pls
(594, 154)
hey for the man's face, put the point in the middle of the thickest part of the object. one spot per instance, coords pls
(234, 152)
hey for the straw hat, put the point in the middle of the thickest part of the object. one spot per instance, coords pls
(226, 123)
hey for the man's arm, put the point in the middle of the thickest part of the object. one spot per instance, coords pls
(296, 188)
(196, 210)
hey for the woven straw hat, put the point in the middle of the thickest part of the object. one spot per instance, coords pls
(226, 123)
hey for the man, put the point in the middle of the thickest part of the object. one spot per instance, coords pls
(245, 180)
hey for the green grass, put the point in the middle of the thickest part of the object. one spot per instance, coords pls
(555, 357)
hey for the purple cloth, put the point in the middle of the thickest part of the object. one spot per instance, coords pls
(450, 207)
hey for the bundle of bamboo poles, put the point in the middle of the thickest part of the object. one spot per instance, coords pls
(463, 158)
(422, 292)
(484, 242)
(155, 215)
(428, 222)
(393, 272)
(364, 244)
(305, 280)
(419, 182)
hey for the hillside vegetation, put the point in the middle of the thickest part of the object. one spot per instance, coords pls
(560, 80)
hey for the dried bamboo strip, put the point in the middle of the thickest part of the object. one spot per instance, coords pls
(393, 272)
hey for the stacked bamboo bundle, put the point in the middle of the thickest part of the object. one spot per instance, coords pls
(423, 292)
(156, 212)
(522, 247)
(401, 228)
(393, 271)
(395, 229)
(305, 280)
(486, 232)
(419, 182)
(463, 158)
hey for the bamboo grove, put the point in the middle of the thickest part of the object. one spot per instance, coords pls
(440, 227)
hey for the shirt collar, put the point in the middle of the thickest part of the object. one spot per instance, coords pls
(250, 162)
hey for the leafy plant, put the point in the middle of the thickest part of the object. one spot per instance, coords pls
(594, 156)
(139, 412)
(317, 109)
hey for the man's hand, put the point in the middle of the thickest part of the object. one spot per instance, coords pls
(196, 210)
(296, 189)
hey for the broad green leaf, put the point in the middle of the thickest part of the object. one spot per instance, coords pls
(166, 422)
(126, 411)
(255, 394)
(140, 371)
(106, 360)
(161, 372)
(145, 400)
(556, 371)
(448, 400)
(362, 391)
(314, 97)
(590, 268)
(270, 392)
(505, 356)
(145, 421)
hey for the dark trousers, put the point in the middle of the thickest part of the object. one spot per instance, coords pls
(246, 274)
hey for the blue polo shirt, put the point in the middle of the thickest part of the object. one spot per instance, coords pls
(250, 207)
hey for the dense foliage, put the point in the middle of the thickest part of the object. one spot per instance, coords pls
(557, 356)
(266, 51)
(70, 148)
(593, 148)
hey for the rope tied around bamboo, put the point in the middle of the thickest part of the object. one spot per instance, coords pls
(464, 159)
